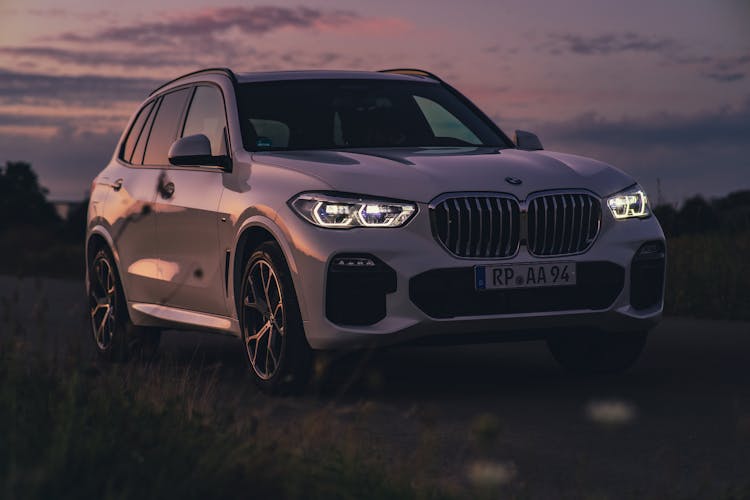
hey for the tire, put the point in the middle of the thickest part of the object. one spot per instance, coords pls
(278, 355)
(597, 352)
(116, 338)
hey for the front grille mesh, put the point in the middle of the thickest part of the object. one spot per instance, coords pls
(478, 226)
(490, 226)
(561, 224)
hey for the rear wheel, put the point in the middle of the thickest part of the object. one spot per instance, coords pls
(278, 355)
(115, 337)
(593, 351)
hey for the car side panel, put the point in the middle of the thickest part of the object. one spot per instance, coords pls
(191, 260)
(129, 214)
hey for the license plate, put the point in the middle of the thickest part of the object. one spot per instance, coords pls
(506, 276)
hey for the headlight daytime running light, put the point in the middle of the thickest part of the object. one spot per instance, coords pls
(630, 203)
(342, 212)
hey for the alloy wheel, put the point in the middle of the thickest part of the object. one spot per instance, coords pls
(102, 303)
(264, 322)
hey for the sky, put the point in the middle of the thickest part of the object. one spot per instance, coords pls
(659, 88)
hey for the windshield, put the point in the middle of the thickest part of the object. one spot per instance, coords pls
(345, 114)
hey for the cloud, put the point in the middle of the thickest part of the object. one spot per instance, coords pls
(725, 77)
(72, 90)
(212, 23)
(720, 127)
(723, 69)
(610, 43)
(726, 69)
(95, 58)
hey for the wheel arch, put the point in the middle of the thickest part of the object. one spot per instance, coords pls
(98, 239)
(250, 236)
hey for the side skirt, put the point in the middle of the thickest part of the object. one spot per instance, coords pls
(172, 317)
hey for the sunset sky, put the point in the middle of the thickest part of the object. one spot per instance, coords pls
(659, 88)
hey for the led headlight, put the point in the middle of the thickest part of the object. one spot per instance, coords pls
(630, 203)
(336, 211)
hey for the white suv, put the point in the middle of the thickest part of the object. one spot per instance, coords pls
(319, 210)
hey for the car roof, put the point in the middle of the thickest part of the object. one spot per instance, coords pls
(268, 76)
(275, 76)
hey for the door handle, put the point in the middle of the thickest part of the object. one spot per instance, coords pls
(117, 185)
(167, 190)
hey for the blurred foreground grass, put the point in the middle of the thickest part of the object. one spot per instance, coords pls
(160, 431)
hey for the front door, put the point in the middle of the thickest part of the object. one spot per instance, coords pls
(187, 224)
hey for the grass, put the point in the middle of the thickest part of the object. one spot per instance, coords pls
(30, 252)
(708, 276)
(142, 431)
(73, 428)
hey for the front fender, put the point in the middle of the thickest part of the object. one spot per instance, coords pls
(268, 224)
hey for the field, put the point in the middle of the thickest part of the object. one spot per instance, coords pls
(491, 421)
(394, 425)
(156, 431)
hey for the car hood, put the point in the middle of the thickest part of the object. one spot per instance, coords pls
(421, 174)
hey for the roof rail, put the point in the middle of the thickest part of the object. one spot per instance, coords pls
(225, 71)
(412, 72)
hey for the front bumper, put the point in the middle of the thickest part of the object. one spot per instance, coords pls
(433, 292)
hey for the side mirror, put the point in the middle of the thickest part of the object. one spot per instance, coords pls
(196, 150)
(528, 141)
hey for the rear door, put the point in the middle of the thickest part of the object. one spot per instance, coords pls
(129, 210)
(187, 221)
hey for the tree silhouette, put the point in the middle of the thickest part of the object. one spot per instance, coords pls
(23, 202)
(730, 214)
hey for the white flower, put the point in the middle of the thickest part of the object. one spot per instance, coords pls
(490, 474)
(611, 412)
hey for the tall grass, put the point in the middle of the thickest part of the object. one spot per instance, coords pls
(708, 276)
(164, 431)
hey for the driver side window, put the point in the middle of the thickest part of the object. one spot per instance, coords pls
(206, 116)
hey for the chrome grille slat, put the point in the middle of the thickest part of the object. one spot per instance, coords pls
(447, 225)
(510, 225)
(468, 225)
(478, 250)
(580, 222)
(588, 225)
(554, 225)
(492, 226)
(543, 228)
(457, 218)
(500, 233)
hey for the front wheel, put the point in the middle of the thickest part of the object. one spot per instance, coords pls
(596, 352)
(277, 351)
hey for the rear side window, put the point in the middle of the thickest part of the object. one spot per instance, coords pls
(140, 146)
(135, 132)
(164, 129)
(206, 116)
